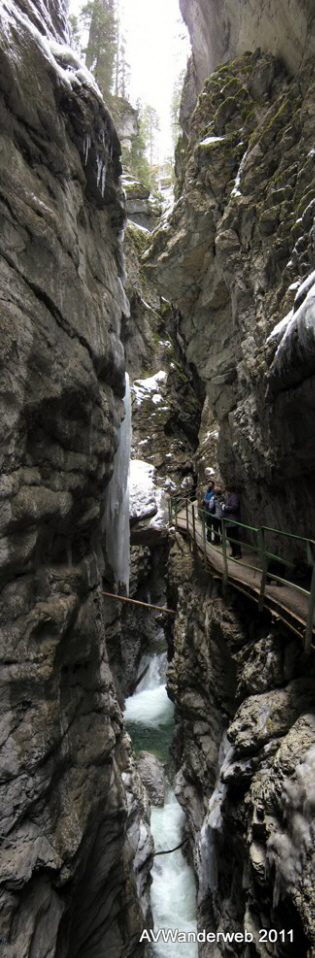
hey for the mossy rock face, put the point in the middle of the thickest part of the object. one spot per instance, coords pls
(269, 220)
(226, 111)
(137, 236)
(272, 127)
(136, 190)
(286, 177)
(231, 88)
(223, 95)
(277, 197)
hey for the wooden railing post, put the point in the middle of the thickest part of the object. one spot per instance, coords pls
(225, 565)
(178, 504)
(194, 526)
(310, 615)
(204, 536)
(264, 567)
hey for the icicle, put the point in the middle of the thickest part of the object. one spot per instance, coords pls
(116, 516)
(86, 148)
(99, 163)
(103, 179)
(101, 174)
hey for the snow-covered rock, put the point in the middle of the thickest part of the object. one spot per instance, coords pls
(148, 507)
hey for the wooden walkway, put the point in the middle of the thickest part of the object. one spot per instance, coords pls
(284, 601)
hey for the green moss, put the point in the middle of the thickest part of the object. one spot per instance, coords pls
(286, 177)
(285, 210)
(268, 219)
(290, 219)
(246, 69)
(224, 95)
(274, 126)
(138, 237)
(231, 88)
(244, 62)
(277, 197)
(179, 371)
(230, 106)
(136, 190)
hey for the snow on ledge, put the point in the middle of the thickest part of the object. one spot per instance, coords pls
(142, 388)
(211, 139)
(145, 497)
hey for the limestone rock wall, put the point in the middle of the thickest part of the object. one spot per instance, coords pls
(219, 32)
(236, 255)
(236, 258)
(165, 422)
(244, 750)
(70, 827)
(167, 395)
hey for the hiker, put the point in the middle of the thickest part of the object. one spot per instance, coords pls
(231, 510)
(208, 504)
(217, 514)
(209, 493)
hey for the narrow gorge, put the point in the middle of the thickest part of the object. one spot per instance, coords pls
(142, 352)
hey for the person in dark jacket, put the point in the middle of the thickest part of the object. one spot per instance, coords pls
(207, 503)
(217, 515)
(231, 510)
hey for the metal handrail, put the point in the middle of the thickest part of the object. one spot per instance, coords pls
(260, 550)
(290, 535)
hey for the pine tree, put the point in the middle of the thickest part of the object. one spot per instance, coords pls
(175, 107)
(99, 17)
(138, 162)
(75, 34)
(122, 71)
(142, 159)
(150, 122)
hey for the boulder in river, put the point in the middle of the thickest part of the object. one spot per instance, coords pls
(151, 772)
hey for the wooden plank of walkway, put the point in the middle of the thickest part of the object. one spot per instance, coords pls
(245, 575)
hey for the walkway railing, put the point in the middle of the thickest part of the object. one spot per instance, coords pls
(259, 546)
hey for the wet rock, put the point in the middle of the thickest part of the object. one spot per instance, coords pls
(249, 807)
(247, 186)
(166, 394)
(67, 877)
(266, 716)
(152, 775)
(142, 207)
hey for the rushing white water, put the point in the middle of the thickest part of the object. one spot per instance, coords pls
(116, 514)
(173, 894)
(150, 705)
(155, 666)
